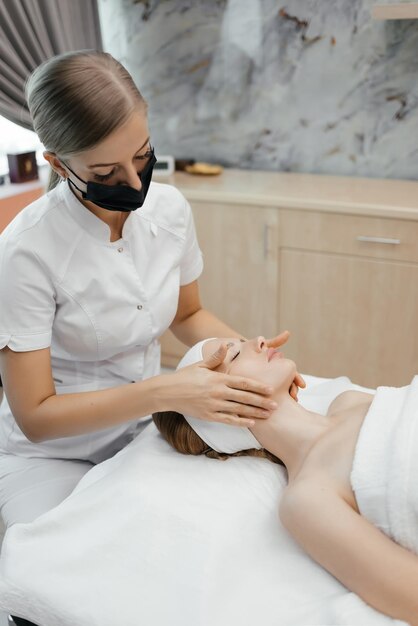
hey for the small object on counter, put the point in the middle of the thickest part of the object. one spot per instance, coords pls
(180, 164)
(22, 167)
(204, 169)
(2, 180)
(164, 165)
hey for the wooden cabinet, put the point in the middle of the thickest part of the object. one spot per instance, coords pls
(332, 259)
(239, 281)
(348, 291)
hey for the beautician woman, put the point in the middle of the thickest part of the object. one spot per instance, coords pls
(91, 275)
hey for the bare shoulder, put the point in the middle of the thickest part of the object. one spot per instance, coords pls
(348, 400)
(304, 495)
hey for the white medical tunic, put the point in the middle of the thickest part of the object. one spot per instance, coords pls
(99, 305)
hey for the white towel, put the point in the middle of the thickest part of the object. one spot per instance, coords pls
(385, 467)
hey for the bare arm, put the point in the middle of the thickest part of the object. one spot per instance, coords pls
(196, 390)
(43, 415)
(193, 323)
(358, 554)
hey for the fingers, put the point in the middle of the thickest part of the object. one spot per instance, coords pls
(243, 410)
(248, 385)
(221, 397)
(234, 420)
(215, 359)
(294, 391)
(252, 399)
(299, 381)
(279, 340)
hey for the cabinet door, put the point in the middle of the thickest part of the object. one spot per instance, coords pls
(239, 280)
(350, 315)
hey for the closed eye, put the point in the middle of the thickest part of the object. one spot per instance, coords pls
(234, 357)
(101, 177)
(147, 155)
(141, 157)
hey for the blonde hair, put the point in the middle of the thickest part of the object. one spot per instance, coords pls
(181, 436)
(77, 99)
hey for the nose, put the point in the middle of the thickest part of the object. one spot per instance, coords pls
(260, 343)
(132, 178)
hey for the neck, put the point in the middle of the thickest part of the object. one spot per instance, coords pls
(114, 219)
(290, 432)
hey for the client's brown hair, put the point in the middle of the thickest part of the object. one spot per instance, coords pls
(181, 436)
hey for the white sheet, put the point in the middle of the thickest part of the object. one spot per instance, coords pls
(157, 538)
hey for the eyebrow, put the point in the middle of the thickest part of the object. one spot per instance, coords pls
(107, 164)
(231, 345)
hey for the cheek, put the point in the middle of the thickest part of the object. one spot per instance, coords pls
(253, 369)
(277, 374)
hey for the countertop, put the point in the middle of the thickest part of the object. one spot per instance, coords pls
(7, 190)
(338, 194)
(356, 196)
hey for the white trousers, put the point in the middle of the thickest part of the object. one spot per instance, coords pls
(32, 486)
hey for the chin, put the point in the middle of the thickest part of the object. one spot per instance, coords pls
(283, 374)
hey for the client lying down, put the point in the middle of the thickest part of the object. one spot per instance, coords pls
(352, 496)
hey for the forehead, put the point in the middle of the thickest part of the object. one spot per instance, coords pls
(122, 142)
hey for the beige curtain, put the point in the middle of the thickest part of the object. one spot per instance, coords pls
(32, 31)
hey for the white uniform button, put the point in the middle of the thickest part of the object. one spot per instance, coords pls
(120, 249)
(139, 307)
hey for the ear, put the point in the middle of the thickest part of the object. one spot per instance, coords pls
(55, 163)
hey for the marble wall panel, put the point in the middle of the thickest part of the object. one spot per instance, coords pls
(302, 85)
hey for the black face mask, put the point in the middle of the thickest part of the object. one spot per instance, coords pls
(117, 197)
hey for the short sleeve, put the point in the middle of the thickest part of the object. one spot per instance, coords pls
(27, 300)
(191, 264)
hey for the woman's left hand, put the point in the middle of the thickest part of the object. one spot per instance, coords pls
(276, 342)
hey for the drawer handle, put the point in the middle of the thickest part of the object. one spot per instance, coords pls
(266, 246)
(388, 240)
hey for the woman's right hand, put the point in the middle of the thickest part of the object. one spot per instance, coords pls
(200, 392)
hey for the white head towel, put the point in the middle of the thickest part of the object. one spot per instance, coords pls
(219, 437)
